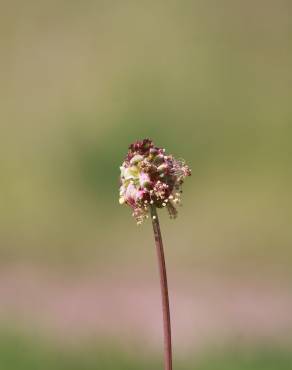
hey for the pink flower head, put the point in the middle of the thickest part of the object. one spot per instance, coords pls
(150, 177)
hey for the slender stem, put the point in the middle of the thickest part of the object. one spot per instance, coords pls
(164, 290)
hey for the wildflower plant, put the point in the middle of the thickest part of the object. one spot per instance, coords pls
(152, 179)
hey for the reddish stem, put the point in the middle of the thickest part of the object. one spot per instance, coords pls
(164, 290)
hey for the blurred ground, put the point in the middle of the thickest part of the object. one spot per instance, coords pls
(211, 82)
(17, 353)
(205, 308)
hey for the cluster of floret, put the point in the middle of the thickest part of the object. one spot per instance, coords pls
(151, 178)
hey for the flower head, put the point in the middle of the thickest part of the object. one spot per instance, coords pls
(150, 177)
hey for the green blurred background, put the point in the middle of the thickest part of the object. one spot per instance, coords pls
(211, 82)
